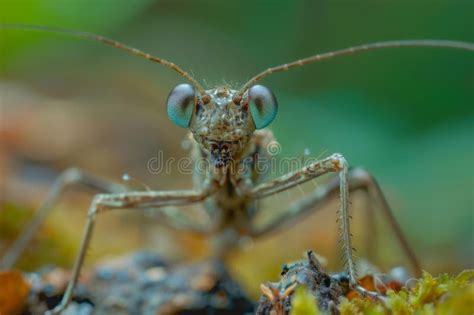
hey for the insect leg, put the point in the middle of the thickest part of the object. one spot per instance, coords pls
(66, 178)
(335, 163)
(359, 179)
(130, 200)
(348, 180)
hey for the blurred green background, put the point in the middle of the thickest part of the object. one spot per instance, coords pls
(404, 114)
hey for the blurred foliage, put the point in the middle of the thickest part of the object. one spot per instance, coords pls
(406, 115)
(53, 245)
(74, 13)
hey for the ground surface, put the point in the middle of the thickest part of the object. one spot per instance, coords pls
(143, 283)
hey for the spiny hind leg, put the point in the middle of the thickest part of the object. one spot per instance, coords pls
(348, 181)
(128, 201)
(359, 180)
(335, 163)
(71, 176)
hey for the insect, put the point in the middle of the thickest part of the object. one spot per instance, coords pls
(228, 127)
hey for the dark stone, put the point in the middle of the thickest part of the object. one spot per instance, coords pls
(144, 284)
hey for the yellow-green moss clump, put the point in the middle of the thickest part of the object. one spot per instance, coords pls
(303, 303)
(51, 246)
(440, 295)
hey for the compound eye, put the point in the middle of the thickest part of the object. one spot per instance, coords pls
(263, 106)
(180, 104)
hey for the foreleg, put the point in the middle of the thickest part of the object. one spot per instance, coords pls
(131, 200)
(347, 181)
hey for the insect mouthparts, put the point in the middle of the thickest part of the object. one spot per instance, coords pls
(220, 158)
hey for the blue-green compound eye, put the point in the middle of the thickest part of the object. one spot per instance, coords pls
(263, 106)
(180, 104)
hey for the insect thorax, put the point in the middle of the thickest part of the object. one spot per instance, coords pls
(230, 205)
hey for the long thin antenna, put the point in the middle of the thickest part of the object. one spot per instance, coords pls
(357, 49)
(110, 42)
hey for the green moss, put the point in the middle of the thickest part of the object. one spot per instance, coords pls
(51, 246)
(303, 303)
(430, 296)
